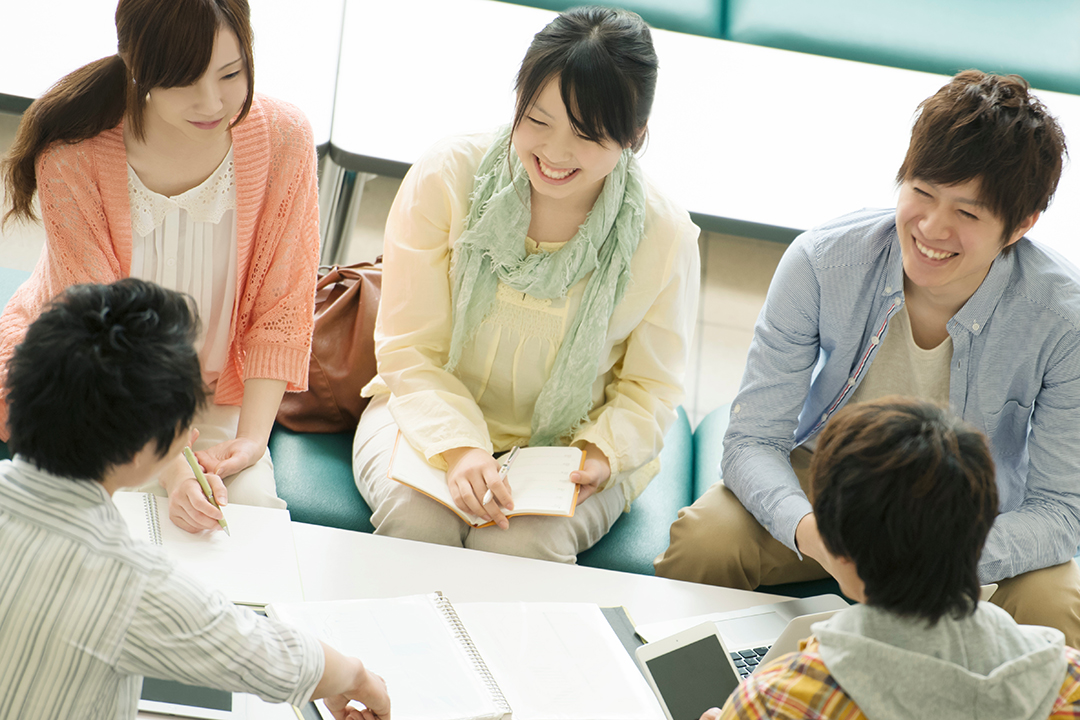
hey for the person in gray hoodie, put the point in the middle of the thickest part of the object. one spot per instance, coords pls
(905, 496)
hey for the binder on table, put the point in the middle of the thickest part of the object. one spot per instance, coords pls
(485, 661)
(539, 480)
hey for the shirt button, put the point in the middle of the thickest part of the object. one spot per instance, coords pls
(974, 326)
(170, 262)
(888, 289)
(851, 382)
(824, 417)
(736, 409)
(875, 340)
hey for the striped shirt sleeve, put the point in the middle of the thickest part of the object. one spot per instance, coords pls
(184, 632)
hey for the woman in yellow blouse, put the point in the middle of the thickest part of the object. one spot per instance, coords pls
(537, 290)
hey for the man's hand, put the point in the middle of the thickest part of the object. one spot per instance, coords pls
(469, 474)
(346, 678)
(188, 507)
(809, 542)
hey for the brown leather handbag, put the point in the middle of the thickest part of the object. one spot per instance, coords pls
(342, 351)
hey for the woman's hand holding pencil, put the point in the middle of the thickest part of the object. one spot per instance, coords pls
(189, 506)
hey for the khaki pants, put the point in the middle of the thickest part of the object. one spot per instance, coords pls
(400, 511)
(717, 541)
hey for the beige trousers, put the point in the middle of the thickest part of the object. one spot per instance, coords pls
(717, 541)
(252, 486)
(400, 511)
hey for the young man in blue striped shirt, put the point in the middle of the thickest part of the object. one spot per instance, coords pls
(942, 299)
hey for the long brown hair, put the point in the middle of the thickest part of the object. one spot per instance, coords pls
(159, 45)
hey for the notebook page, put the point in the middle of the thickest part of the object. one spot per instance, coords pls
(540, 479)
(407, 642)
(559, 661)
(256, 564)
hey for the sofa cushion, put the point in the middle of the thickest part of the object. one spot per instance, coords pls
(10, 280)
(1039, 41)
(314, 476)
(640, 535)
(709, 449)
(697, 17)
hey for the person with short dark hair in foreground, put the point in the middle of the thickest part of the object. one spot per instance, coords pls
(102, 393)
(904, 497)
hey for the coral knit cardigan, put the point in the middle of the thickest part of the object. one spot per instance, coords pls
(83, 192)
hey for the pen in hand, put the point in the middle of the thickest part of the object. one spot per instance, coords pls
(190, 457)
(503, 469)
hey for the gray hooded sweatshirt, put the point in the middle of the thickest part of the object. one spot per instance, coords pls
(984, 666)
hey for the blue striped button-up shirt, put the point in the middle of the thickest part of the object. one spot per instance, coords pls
(85, 612)
(1014, 375)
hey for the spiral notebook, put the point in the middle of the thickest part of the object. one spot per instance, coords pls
(257, 564)
(417, 644)
(485, 661)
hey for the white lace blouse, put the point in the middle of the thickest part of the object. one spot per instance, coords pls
(187, 242)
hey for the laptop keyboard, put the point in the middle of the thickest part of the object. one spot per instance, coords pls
(747, 660)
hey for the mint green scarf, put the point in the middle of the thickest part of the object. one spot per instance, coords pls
(492, 249)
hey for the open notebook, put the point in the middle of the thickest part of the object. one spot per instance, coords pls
(256, 565)
(539, 480)
(485, 661)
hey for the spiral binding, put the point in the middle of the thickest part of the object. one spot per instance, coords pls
(153, 524)
(467, 645)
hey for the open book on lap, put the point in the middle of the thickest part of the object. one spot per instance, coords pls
(539, 480)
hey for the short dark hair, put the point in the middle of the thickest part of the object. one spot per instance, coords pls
(104, 370)
(606, 65)
(990, 128)
(906, 492)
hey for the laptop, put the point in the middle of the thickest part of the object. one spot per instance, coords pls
(761, 634)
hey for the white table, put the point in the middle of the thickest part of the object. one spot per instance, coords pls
(341, 564)
(296, 50)
(751, 140)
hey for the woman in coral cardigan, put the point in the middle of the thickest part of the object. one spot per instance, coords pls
(161, 163)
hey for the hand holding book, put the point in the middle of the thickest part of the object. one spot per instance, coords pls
(540, 478)
(594, 472)
(470, 474)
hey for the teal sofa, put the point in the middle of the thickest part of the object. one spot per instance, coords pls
(1040, 41)
(708, 451)
(694, 17)
(314, 476)
(10, 280)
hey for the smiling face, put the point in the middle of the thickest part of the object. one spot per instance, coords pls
(948, 237)
(201, 112)
(561, 164)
